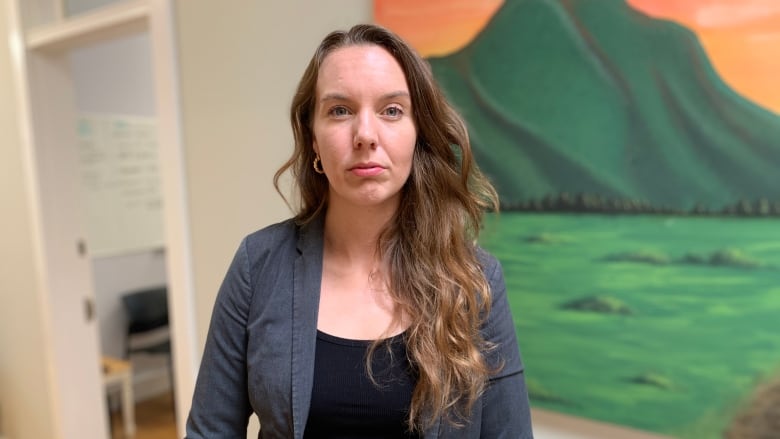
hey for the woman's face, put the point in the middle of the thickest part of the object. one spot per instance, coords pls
(363, 127)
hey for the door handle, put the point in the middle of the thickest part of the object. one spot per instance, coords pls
(89, 309)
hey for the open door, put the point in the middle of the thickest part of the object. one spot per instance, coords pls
(68, 300)
(48, 110)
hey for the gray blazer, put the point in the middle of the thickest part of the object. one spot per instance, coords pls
(259, 354)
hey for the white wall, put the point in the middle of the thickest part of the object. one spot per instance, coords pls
(73, 7)
(25, 388)
(114, 76)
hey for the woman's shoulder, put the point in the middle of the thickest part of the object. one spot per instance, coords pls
(266, 250)
(283, 238)
(282, 230)
(487, 261)
(274, 239)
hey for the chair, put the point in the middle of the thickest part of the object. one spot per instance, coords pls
(147, 324)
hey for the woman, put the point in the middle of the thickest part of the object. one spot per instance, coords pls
(372, 313)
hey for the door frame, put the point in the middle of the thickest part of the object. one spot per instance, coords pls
(47, 115)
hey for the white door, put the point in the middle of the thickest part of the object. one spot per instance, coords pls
(78, 396)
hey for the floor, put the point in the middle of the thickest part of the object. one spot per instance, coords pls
(153, 418)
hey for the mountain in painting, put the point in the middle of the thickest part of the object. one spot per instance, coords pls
(584, 96)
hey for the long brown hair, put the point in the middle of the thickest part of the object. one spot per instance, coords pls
(434, 274)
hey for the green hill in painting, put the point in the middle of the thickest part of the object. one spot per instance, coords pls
(584, 96)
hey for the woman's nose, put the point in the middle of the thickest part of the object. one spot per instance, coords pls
(365, 131)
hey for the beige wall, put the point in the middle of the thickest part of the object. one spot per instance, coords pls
(239, 64)
(24, 382)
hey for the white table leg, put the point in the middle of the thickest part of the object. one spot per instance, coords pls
(128, 405)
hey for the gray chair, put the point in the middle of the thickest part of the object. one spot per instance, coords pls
(147, 313)
(147, 325)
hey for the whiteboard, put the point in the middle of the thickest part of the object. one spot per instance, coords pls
(119, 167)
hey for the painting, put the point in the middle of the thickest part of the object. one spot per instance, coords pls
(635, 145)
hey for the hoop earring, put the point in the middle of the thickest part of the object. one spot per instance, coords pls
(317, 164)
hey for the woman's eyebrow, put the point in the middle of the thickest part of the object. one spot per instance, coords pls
(343, 97)
(333, 97)
(396, 94)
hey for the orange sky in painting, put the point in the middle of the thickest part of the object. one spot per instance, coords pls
(435, 27)
(742, 37)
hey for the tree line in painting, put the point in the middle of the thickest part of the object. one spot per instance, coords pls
(597, 203)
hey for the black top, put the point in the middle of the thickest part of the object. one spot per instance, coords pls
(345, 403)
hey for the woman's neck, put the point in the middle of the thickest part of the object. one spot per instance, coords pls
(352, 233)
(355, 301)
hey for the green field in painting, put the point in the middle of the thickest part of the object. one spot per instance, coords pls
(686, 335)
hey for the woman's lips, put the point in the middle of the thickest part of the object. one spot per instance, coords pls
(367, 169)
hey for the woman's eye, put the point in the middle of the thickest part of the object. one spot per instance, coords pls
(338, 111)
(394, 111)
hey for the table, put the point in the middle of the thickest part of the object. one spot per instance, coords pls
(119, 373)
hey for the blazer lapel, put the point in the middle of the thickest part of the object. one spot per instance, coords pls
(306, 296)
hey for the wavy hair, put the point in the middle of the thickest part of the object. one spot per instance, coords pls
(430, 245)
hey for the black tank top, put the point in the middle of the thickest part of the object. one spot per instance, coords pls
(346, 404)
